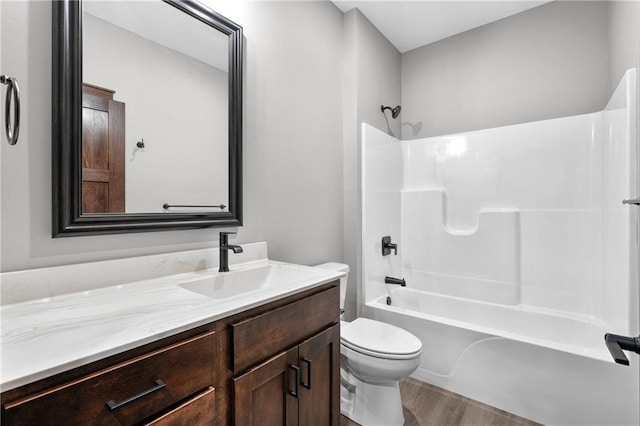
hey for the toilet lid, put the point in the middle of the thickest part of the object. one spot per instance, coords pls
(379, 339)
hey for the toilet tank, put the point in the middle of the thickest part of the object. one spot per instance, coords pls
(340, 267)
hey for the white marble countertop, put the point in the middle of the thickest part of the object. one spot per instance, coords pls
(50, 335)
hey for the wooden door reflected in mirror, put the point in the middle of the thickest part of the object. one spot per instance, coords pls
(103, 168)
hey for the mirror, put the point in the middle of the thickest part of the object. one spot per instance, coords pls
(147, 117)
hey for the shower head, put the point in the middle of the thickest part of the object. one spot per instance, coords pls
(394, 111)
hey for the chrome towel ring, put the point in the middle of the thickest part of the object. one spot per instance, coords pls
(13, 93)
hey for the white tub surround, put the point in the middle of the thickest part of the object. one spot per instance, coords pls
(518, 256)
(64, 317)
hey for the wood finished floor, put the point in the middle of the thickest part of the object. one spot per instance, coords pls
(424, 404)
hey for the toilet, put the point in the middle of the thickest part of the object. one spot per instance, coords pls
(374, 356)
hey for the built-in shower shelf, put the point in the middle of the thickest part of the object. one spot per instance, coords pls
(442, 207)
(487, 255)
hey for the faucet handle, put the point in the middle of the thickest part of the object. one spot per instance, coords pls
(227, 233)
(387, 246)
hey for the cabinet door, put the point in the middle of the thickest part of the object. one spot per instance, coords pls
(319, 360)
(267, 395)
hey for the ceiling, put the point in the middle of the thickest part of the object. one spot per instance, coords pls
(165, 25)
(411, 24)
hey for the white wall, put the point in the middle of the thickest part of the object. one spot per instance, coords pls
(292, 142)
(528, 213)
(177, 104)
(624, 53)
(381, 210)
(371, 79)
(547, 62)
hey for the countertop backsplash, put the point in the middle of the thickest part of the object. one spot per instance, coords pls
(31, 284)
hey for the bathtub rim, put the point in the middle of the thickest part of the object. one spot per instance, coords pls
(596, 352)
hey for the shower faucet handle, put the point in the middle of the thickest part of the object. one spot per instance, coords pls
(387, 246)
(616, 344)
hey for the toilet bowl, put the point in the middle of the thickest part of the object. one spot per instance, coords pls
(374, 356)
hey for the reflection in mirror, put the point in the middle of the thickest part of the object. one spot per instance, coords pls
(155, 110)
(146, 119)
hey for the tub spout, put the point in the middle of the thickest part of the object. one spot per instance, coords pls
(398, 281)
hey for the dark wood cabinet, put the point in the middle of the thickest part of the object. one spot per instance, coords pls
(297, 387)
(265, 395)
(319, 361)
(257, 338)
(126, 393)
(273, 364)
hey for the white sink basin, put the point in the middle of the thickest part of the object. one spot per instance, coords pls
(225, 285)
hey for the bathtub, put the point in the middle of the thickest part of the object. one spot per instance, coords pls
(518, 256)
(543, 365)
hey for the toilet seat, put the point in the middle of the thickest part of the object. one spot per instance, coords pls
(380, 340)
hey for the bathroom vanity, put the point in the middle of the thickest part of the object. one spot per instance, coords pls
(259, 358)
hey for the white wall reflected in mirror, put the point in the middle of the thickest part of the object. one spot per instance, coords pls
(170, 71)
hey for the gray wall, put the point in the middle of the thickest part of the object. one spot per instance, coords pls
(3, 139)
(371, 79)
(624, 39)
(292, 146)
(377, 75)
(547, 62)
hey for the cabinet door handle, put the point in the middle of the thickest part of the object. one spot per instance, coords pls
(308, 384)
(113, 405)
(295, 392)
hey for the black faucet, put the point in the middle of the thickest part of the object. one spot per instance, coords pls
(399, 281)
(224, 251)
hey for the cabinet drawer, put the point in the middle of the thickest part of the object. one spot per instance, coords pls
(283, 327)
(199, 410)
(135, 389)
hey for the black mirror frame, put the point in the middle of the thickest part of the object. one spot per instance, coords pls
(66, 123)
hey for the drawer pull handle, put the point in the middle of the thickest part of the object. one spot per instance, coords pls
(308, 384)
(113, 405)
(295, 392)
